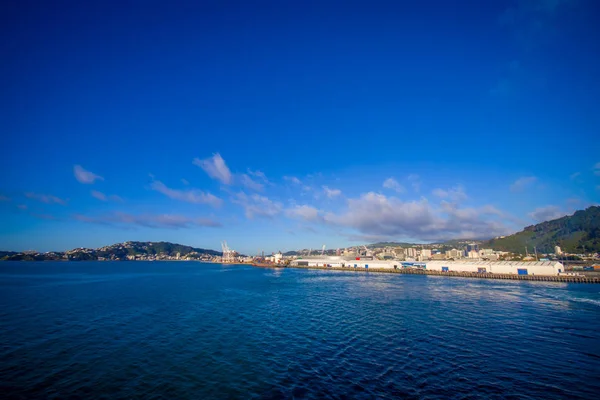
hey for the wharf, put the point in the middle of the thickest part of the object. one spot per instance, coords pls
(514, 277)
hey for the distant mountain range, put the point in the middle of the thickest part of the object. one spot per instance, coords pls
(119, 251)
(577, 233)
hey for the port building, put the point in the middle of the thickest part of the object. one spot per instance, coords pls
(547, 268)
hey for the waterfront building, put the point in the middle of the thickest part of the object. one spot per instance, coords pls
(454, 253)
(472, 254)
(557, 250)
(499, 267)
(486, 252)
(545, 268)
(278, 258)
(471, 247)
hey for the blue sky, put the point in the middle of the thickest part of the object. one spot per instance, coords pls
(285, 125)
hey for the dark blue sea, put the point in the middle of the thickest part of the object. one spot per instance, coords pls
(187, 330)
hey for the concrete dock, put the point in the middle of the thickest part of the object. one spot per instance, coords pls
(514, 277)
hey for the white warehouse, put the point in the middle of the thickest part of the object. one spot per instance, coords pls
(337, 261)
(499, 267)
(547, 268)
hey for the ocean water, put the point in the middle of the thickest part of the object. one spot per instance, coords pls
(186, 330)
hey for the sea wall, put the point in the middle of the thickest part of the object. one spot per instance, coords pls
(407, 271)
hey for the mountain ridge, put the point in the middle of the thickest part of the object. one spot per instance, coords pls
(117, 251)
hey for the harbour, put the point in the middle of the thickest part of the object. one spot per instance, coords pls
(477, 275)
(164, 329)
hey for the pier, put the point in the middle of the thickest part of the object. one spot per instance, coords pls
(477, 275)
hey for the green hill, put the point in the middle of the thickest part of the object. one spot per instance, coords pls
(572, 233)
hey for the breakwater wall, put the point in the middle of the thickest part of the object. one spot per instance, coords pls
(477, 275)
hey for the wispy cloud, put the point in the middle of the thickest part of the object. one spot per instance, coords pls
(596, 169)
(4, 198)
(456, 194)
(331, 193)
(391, 183)
(22, 207)
(251, 183)
(575, 175)
(45, 198)
(257, 206)
(523, 183)
(173, 221)
(189, 195)
(415, 181)
(259, 175)
(304, 212)
(99, 195)
(547, 213)
(185, 182)
(293, 180)
(103, 197)
(215, 167)
(84, 176)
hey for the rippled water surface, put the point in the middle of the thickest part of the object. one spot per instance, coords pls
(191, 330)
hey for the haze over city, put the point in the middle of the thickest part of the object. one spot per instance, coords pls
(294, 124)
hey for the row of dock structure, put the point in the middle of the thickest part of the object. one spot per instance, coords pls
(565, 278)
(520, 270)
(548, 268)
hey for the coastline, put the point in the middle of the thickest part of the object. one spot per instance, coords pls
(476, 275)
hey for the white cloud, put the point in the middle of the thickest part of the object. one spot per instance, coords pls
(45, 198)
(456, 194)
(293, 179)
(257, 206)
(188, 195)
(304, 212)
(331, 193)
(99, 195)
(523, 183)
(84, 176)
(547, 213)
(259, 175)
(251, 183)
(173, 221)
(215, 167)
(391, 183)
(415, 182)
(103, 197)
(377, 215)
(575, 175)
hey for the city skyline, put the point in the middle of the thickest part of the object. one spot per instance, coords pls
(289, 126)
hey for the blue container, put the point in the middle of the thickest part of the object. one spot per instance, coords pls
(522, 271)
(444, 269)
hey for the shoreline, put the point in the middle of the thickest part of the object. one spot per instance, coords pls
(476, 275)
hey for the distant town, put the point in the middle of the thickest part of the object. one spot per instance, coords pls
(417, 253)
(164, 251)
